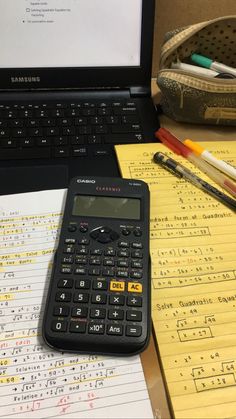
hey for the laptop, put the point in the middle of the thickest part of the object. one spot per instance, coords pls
(75, 79)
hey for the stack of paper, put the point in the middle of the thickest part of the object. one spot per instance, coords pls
(36, 382)
(193, 250)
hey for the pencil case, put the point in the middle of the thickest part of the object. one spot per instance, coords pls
(191, 97)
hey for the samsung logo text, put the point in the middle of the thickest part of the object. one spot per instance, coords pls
(25, 79)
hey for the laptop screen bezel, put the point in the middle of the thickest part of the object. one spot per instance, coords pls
(84, 78)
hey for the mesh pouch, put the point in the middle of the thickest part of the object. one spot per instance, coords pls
(194, 98)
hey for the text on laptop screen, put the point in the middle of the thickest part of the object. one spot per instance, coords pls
(70, 33)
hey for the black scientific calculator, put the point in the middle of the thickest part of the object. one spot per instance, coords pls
(99, 297)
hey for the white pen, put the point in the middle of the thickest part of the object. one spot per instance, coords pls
(221, 165)
(194, 69)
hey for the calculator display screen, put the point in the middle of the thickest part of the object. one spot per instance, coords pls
(106, 206)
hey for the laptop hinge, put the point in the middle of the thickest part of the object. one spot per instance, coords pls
(140, 91)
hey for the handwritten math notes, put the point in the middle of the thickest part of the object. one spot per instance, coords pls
(193, 253)
(36, 382)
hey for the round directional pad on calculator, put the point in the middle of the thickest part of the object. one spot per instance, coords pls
(104, 234)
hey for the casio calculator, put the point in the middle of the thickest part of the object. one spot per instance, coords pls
(99, 296)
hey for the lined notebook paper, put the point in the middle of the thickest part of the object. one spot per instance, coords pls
(36, 382)
(193, 253)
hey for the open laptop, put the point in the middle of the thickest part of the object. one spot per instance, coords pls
(74, 80)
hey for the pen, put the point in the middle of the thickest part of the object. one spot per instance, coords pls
(213, 65)
(207, 156)
(180, 171)
(194, 69)
(177, 147)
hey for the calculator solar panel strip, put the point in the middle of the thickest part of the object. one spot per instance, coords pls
(76, 82)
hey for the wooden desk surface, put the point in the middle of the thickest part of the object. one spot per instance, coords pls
(155, 383)
(150, 358)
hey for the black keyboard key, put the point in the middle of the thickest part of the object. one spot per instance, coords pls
(97, 313)
(115, 329)
(35, 132)
(112, 119)
(52, 131)
(101, 129)
(134, 301)
(81, 297)
(89, 112)
(60, 141)
(130, 119)
(4, 133)
(135, 331)
(118, 300)
(125, 110)
(7, 143)
(96, 120)
(68, 131)
(27, 142)
(43, 142)
(81, 121)
(94, 139)
(77, 139)
(65, 122)
(77, 327)
(25, 113)
(104, 111)
(59, 326)
(15, 123)
(68, 260)
(96, 328)
(85, 130)
(18, 132)
(47, 122)
(80, 312)
(125, 128)
(134, 316)
(115, 314)
(61, 152)
(63, 296)
(82, 284)
(65, 283)
(101, 152)
(57, 113)
(123, 138)
(100, 284)
(62, 311)
(99, 299)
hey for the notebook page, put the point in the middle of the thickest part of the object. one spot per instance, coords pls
(193, 248)
(36, 382)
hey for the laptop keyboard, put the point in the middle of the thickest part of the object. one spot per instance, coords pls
(65, 129)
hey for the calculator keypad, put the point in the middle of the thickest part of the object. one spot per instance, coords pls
(99, 289)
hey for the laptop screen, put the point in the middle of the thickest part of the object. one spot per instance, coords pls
(70, 33)
(79, 44)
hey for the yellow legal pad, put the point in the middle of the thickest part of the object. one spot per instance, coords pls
(193, 253)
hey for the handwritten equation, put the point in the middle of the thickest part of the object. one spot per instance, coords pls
(193, 248)
(36, 382)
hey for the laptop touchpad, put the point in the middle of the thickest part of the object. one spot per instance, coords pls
(28, 178)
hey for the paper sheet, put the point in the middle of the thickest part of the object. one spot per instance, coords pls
(193, 253)
(36, 382)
